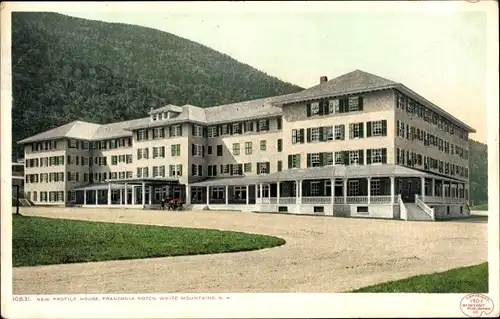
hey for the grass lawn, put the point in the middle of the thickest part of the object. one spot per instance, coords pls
(472, 279)
(44, 241)
(480, 207)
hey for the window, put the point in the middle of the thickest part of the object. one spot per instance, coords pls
(209, 150)
(128, 158)
(314, 189)
(328, 133)
(142, 135)
(263, 144)
(237, 169)
(376, 156)
(339, 158)
(236, 128)
(375, 189)
(197, 150)
(219, 150)
(176, 150)
(294, 161)
(236, 148)
(197, 130)
(239, 192)
(142, 153)
(314, 160)
(280, 166)
(279, 145)
(377, 128)
(114, 160)
(155, 153)
(196, 170)
(263, 125)
(354, 157)
(263, 168)
(279, 123)
(247, 167)
(297, 136)
(212, 170)
(314, 108)
(327, 158)
(158, 132)
(248, 126)
(217, 192)
(176, 130)
(355, 103)
(314, 134)
(401, 129)
(353, 188)
(355, 130)
(333, 106)
(155, 171)
(339, 132)
(225, 130)
(224, 169)
(212, 131)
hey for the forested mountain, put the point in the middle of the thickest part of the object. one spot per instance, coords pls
(67, 68)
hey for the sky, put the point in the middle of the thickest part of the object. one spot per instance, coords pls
(439, 54)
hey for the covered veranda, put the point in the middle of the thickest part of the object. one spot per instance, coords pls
(144, 191)
(337, 185)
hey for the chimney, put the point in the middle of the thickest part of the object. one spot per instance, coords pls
(323, 79)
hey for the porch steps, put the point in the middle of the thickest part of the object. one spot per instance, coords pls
(415, 213)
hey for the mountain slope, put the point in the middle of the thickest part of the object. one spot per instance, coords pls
(478, 176)
(67, 68)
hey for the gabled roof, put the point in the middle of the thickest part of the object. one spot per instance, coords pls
(351, 83)
(75, 129)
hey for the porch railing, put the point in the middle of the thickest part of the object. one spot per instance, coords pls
(287, 200)
(320, 200)
(402, 209)
(357, 200)
(338, 200)
(429, 211)
(381, 199)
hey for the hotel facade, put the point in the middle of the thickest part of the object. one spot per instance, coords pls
(357, 145)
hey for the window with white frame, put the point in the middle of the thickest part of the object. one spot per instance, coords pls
(262, 168)
(225, 169)
(247, 167)
(128, 158)
(315, 160)
(353, 103)
(198, 150)
(314, 108)
(155, 153)
(236, 128)
(315, 134)
(142, 135)
(263, 125)
(339, 132)
(328, 158)
(217, 192)
(212, 131)
(328, 133)
(353, 157)
(176, 130)
(155, 171)
(327, 187)
(236, 170)
(248, 126)
(401, 130)
(225, 129)
(376, 156)
(339, 158)
(158, 132)
(248, 148)
(353, 188)
(333, 106)
(263, 145)
(375, 188)
(198, 131)
(314, 191)
(197, 170)
(240, 192)
(295, 158)
(236, 148)
(376, 128)
(355, 130)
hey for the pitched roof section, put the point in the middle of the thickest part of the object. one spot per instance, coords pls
(75, 129)
(353, 82)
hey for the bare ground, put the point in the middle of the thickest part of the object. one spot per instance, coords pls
(322, 254)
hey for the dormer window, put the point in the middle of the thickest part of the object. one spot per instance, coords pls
(154, 117)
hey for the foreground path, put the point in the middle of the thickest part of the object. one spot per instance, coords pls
(321, 255)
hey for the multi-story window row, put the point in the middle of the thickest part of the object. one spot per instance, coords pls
(333, 106)
(44, 161)
(408, 132)
(125, 158)
(47, 197)
(53, 177)
(412, 159)
(159, 133)
(43, 146)
(116, 143)
(98, 161)
(337, 132)
(78, 160)
(415, 109)
(229, 129)
(353, 157)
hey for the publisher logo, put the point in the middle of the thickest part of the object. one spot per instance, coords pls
(476, 305)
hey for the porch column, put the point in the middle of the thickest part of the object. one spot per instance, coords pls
(422, 187)
(133, 194)
(268, 190)
(227, 194)
(125, 193)
(84, 197)
(369, 187)
(297, 192)
(332, 193)
(442, 191)
(150, 194)
(260, 191)
(345, 190)
(188, 195)
(277, 192)
(248, 194)
(121, 196)
(143, 193)
(256, 192)
(109, 193)
(96, 197)
(208, 195)
(393, 186)
(433, 187)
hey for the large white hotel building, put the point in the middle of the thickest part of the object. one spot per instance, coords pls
(357, 145)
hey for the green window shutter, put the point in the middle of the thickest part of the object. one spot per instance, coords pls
(289, 161)
(308, 159)
(346, 157)
(368, 129)
(361, 153)
(280, 166)
(308, 135)
(360, 99)
(384, 155)
(193, 129)
(343, 131)
(384, 127)
(322, 159)
(321, 137)
(298, 161)
(320, 108)
(308, 105)
(180, 130)
(240, 169)
(397, 156)
(361, 130)
(350, 131)
(322, 188)
(368, 156)
(257, 127)
(302, 136)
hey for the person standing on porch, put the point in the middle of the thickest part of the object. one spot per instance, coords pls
(162, 203)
